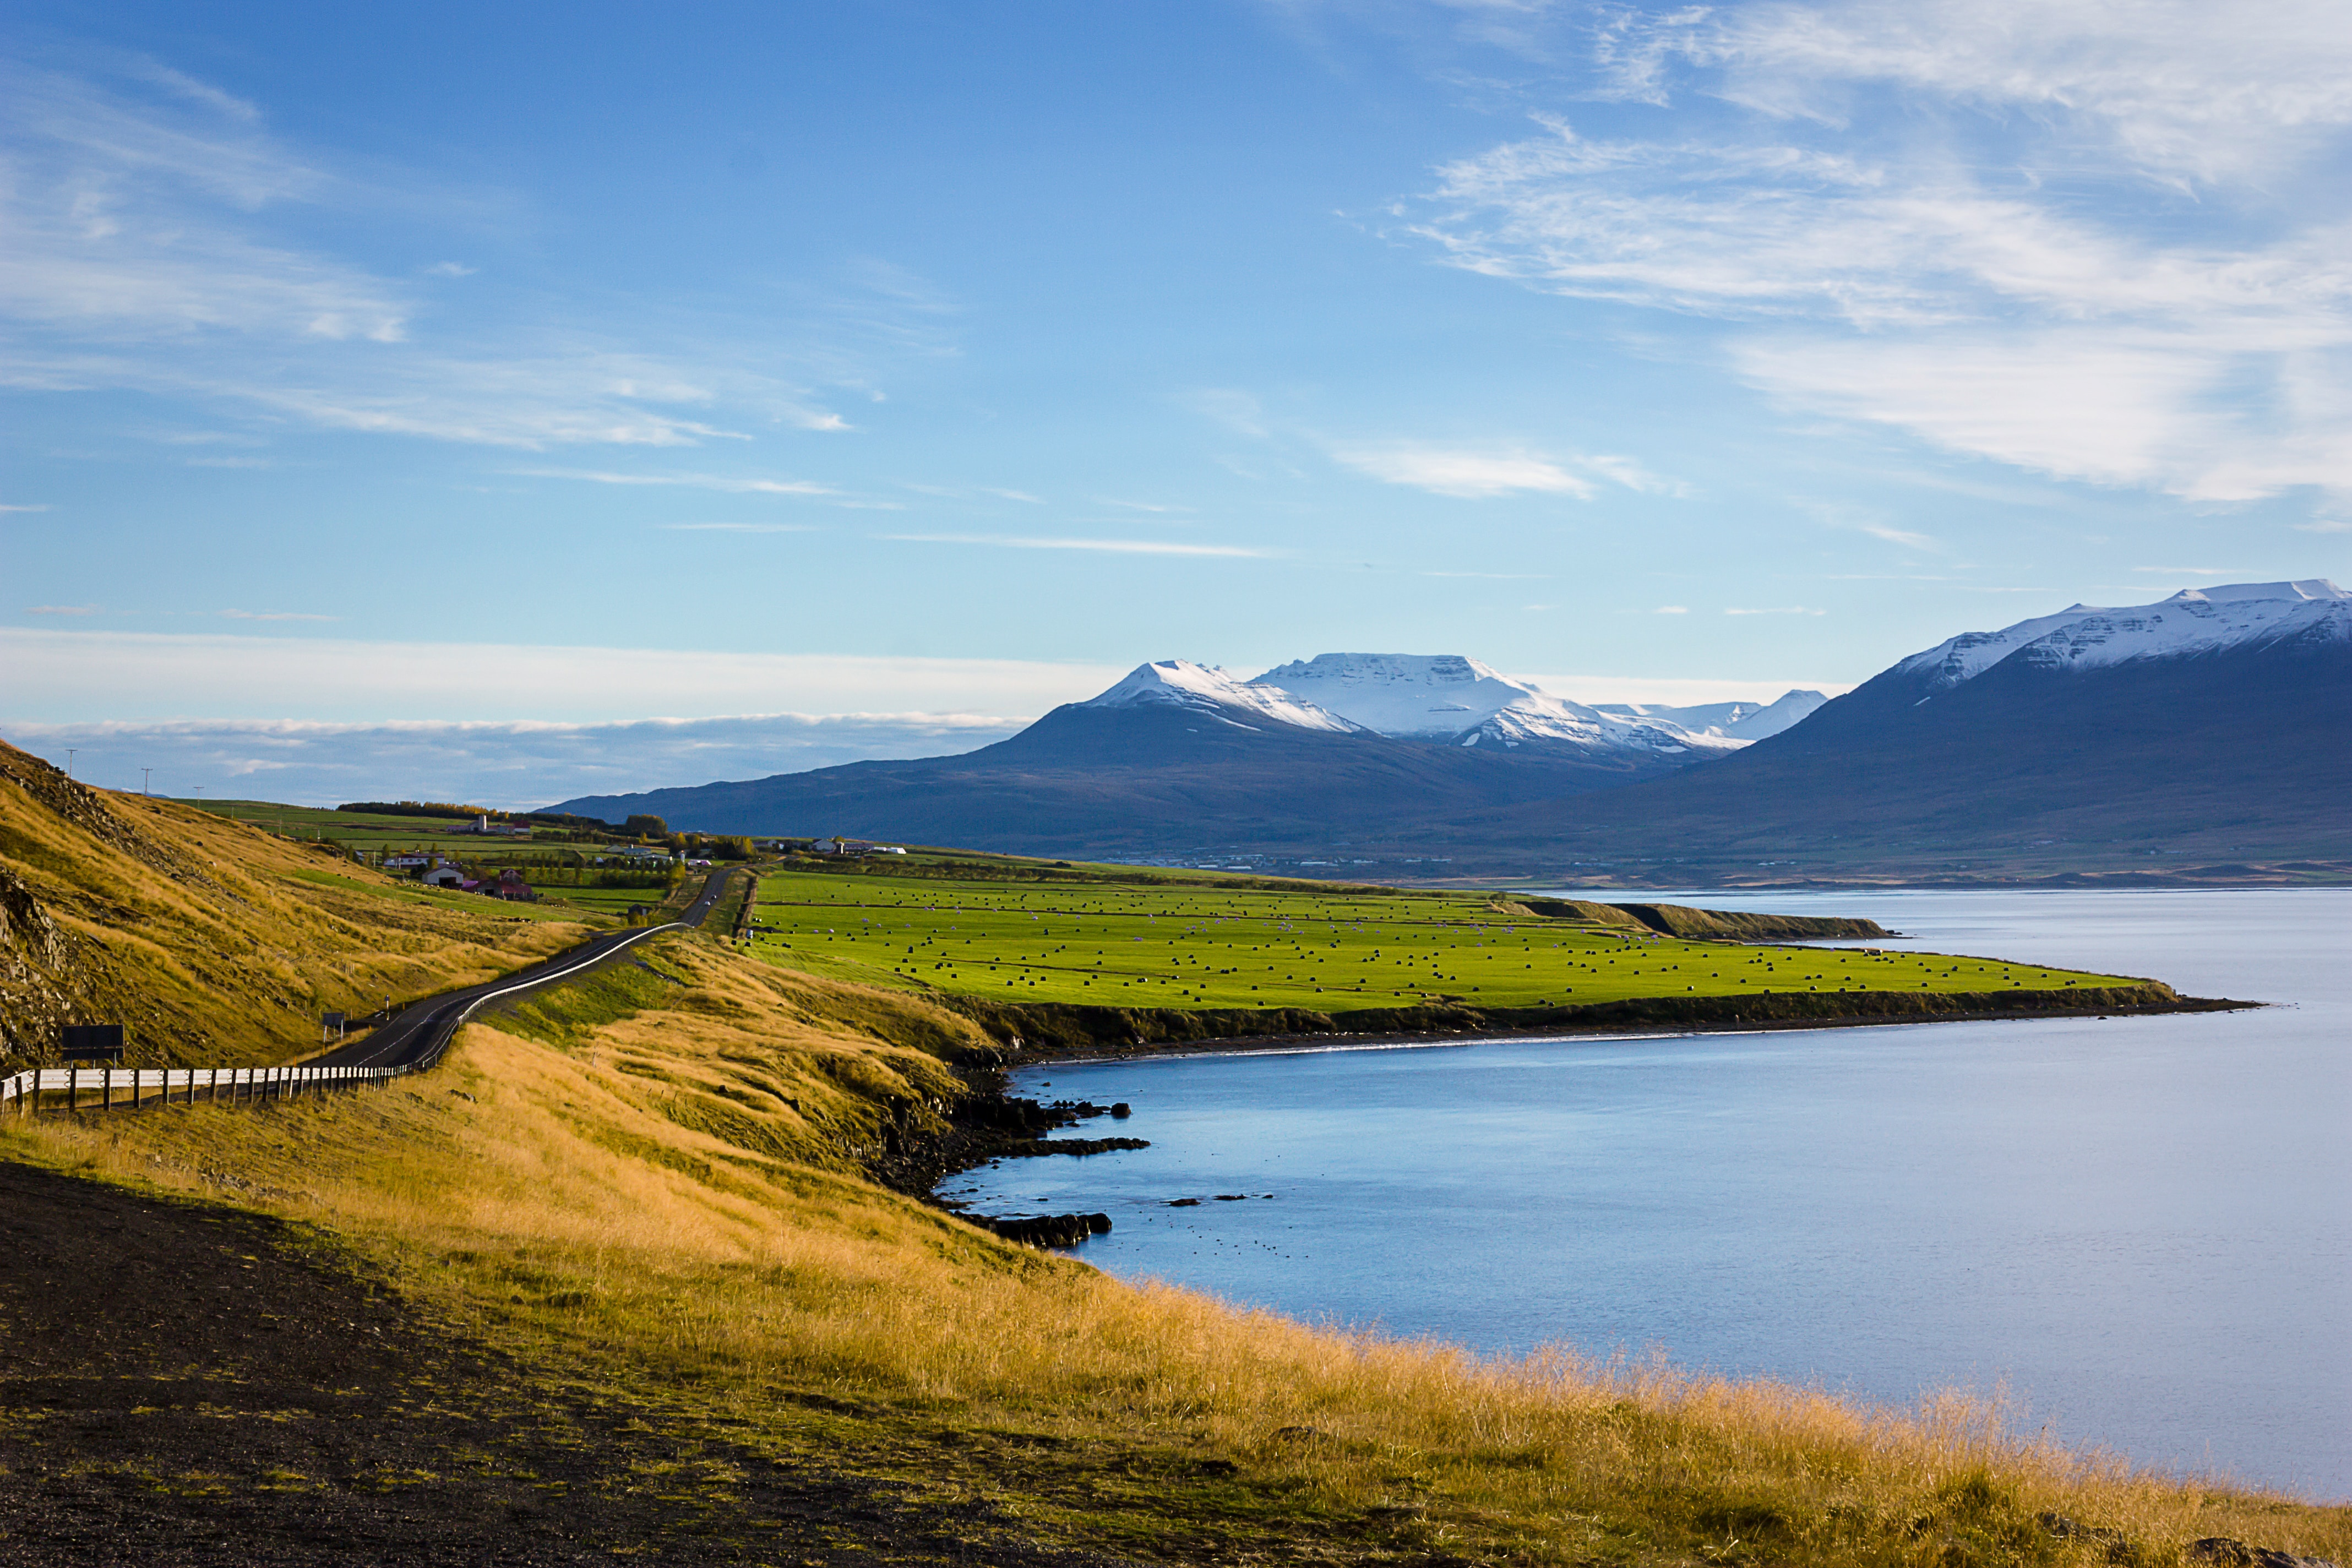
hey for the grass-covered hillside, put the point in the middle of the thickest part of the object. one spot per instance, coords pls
(1179, 942)
(618, 1281)
(644, 1193)
(216, 942)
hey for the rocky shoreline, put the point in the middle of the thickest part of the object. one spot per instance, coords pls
(1042, 1032)
(990, 1124)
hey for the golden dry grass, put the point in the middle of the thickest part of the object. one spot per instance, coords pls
(654, 1177)
(214, 942)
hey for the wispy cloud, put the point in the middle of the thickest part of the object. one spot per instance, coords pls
(61, 609)
(1485, 472)
(152, 222)
(726, 484)
(62, 676)
(1778, 610)
(1107, 546)
(275, 616)
(2102, 241)
(1493, 576)
(42, 507)
(1671, 610)
(737, 527)
(511, 764)
(1897, 535)
(2322, 525)
(2192, 571)
(1471, 474)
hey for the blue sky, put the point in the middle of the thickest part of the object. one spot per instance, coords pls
(900, 370)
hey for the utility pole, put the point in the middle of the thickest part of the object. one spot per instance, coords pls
(69, 757)
(143, 773)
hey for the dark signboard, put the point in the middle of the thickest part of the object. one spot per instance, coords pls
(91, 1043)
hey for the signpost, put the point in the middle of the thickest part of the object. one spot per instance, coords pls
(331, 1025)
(91, 1043)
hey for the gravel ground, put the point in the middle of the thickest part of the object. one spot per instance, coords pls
(188, 1385)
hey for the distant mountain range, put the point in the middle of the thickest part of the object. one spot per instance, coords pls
(2217, 723)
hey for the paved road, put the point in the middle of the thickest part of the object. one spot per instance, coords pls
(423, 1028)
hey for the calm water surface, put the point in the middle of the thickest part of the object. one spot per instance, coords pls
(2143, 1227)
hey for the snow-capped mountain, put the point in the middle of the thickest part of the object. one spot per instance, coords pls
(1732, 721)
(1198, 689)
(2213, 726)
(2193, 621)
(1460, 701)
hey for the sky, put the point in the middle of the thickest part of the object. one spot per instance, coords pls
(506, 402)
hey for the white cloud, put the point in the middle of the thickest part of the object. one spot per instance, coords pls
(512, 765)
(1484, 472)
(58, 677)
(274, 615)
(724, 483)
(1470, 473)
(43, 506)
(1154, 507)
(1897, 535)
(737, 527)
(151, 248)
(1671, 610)
(1776, 610)
(1106, 546)
(61, 610)
(1969, 219)
(2322, 525)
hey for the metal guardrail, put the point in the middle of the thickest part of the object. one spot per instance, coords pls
(177, 1085)
(197, 1085)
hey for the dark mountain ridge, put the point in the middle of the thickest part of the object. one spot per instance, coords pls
(2215, 727)
(1091, 781)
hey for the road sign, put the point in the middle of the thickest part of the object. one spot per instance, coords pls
(91, 1043)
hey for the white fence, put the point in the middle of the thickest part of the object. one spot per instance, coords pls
(113, 1088)
(95, 1087)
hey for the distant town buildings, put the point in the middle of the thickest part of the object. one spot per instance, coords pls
(483, 825)
(853, 846)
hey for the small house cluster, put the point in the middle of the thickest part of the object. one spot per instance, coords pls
(853, 846)
(436, 872)
(484, 826)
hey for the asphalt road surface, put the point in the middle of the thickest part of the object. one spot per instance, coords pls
(423, 1028)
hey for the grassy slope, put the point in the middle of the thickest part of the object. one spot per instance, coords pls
(1192, 943)
(215, 942)
(649, 1180)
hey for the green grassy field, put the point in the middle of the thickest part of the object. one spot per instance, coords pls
(605, 900)
(1197, 944)
(380, 834)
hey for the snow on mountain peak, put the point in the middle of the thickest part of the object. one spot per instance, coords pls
(1422, 695)
(2193, 621)
(1181, 683)
(2308, 588)
(1445, 697)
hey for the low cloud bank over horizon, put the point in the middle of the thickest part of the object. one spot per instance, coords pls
(509, 766)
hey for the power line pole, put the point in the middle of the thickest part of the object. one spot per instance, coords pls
(143, 773)
(69, 757)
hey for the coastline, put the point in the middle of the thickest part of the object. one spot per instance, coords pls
(1039, 1032)
(992, 1123)
(1345, 1040)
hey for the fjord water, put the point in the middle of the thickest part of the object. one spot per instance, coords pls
(2141, 1227)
